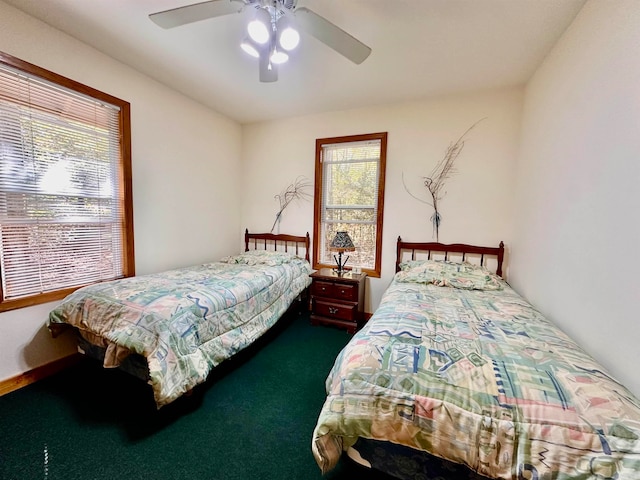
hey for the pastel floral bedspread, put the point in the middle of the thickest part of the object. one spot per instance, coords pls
(477, 376)
(187, 321)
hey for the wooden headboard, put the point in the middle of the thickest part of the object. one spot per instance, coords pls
(275, 241)
(457, 248)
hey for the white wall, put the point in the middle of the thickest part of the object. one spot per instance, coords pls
(478, 205)
(578, 196)
(186, 174)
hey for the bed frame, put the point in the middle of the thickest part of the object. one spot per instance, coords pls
(273, 241)
(456, 248)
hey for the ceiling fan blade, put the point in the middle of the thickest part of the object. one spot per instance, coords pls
(196, 12)
(268, 70)
(332, 35)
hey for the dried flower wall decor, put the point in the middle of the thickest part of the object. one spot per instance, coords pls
(295, 191)
(434, 183)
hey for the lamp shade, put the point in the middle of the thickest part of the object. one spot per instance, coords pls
(259, 29)
(278, 57)
(342, 243)
(288, 36)
(248, 46)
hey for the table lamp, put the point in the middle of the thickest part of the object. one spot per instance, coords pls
(341, 243)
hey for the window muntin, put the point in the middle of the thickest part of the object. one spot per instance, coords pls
(65, 185)
(349, 196)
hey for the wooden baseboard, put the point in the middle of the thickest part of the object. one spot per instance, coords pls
(32, 376)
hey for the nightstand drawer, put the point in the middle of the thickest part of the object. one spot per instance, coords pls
(339, 291)
(335, 310)
(345, 292)
(322, 289)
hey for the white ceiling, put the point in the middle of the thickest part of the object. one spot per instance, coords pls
(421, 48)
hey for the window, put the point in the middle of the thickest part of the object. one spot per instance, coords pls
(66, 215)
(349, 196)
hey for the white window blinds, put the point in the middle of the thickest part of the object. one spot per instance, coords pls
(61, 208)
(351, 172)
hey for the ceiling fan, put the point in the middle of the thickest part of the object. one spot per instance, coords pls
(272, 29)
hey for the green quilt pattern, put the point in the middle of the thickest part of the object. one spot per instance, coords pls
(478, 377)
(187, 321)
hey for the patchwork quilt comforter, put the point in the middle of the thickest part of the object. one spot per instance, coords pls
(186, 321)
(455, 363)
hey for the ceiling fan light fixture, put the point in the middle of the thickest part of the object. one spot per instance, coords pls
(273, 28)
(258, 32)
(250, 48)
(259, 29)
(278, 57)
(288, 36)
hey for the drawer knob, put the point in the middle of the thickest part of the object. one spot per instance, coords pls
(342, 291)
(323, 289)
(333, 310)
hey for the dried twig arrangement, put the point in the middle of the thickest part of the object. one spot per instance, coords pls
(436, 179)
(296, 191)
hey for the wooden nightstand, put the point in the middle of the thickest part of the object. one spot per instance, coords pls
(337, 299)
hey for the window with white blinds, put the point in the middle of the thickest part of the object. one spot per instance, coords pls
(350, 184)
(64, 185)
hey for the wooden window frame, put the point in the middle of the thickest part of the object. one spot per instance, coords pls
(126, 190)
(317, 216)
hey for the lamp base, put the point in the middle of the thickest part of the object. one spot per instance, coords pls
(340, 270)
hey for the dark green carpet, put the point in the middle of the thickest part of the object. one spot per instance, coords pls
(253, 419)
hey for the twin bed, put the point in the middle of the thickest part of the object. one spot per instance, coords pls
(172, 328)
(457, 376)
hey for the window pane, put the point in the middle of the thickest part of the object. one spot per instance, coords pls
(352, 184)
(44, 258)
(333, 215)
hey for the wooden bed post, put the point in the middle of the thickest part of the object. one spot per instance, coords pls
(398, 253)
(500, 258)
